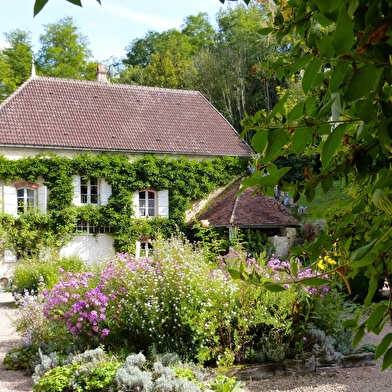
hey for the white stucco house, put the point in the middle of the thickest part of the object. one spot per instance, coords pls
(70, 117)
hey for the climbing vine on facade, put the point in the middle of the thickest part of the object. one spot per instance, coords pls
(185, 179)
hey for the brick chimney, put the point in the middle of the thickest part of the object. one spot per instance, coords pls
(102, 74)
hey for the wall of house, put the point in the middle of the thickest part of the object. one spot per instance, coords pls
(89, 247)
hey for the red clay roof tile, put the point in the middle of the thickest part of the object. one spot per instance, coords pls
(65, 113)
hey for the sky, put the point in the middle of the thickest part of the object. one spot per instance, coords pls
(109, 27)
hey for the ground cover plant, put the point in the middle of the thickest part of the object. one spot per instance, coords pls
(176, 301)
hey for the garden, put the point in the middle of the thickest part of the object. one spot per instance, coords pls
(176, 321)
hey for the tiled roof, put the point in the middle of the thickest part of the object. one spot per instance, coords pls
(246, 210)
(65, 113)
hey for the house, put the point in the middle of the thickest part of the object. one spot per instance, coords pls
(255, 212)
(54, 118)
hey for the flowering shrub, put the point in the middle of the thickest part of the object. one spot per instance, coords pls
(177, 301)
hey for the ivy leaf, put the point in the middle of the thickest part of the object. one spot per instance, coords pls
(311, 74)
(332, 143)
(363, 82)
(277, 139)
(343, 37)
(383, 346)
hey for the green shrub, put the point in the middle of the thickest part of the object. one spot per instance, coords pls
(30, 272)
(20, 358)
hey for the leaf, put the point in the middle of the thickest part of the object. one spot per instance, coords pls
(277, 139)
(338, 106)
(332, 143)
(387, 361)
(338, 75)
(296, 112)
(349, 323)
(315, 281)
(383, 345)
(278, 107)
(77, 2)
(373, 286)
(38, 5)
(359, 335)
(365, 111)
(301, 62)
(325, 110)
(234, 273)
(363, 82)
(268, 181)
(327, 183)
(259, 141)
(270, 286)
(376, 317)
(265, 30)
(311, 74)
(362, 251)
(365, 261)
(301, 138)
(343, 37)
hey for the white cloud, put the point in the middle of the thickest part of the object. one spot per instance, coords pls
(125, 13)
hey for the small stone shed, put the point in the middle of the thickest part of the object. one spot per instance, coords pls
(256, 212)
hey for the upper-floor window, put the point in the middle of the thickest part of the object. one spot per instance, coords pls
(147, 203)
(150, 202)
(26, 199)
(83, 226)
(89, 191)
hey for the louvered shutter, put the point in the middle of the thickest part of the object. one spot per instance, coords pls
(136, 204)
(76, 185)
(106, 191)
(43, 198)
(163, 204)
(10, 201)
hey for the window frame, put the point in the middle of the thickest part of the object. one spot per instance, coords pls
(23, 204)
(147, 207)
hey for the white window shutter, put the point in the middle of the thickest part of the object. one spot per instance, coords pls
(43, 199)
(106, 191)
(10, 202)
(76, 184)
(136, 204)
(163, 204)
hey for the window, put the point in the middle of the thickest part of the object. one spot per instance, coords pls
(86, 227)
(89, 191)
(145, 248)
(26, 199)
(147, 203)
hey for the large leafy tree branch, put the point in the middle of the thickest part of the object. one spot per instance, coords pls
(343, 61)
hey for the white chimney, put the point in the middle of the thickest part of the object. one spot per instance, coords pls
(102, 74)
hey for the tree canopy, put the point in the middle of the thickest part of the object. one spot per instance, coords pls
(341, 56)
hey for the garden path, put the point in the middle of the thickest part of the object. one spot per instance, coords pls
(10, 380)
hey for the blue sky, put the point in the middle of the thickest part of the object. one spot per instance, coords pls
(110, 27)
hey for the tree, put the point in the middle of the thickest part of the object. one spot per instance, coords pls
(64, 51)
(346, 74)
(40, 4)
(15, 61)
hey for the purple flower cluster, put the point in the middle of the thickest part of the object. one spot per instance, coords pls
(80, 308)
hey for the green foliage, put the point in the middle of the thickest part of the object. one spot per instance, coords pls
(227, 384)
(20, 358)
(185, 179)
(64, 51)
(30, 273)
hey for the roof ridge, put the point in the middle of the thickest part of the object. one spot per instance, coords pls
(113, 85)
